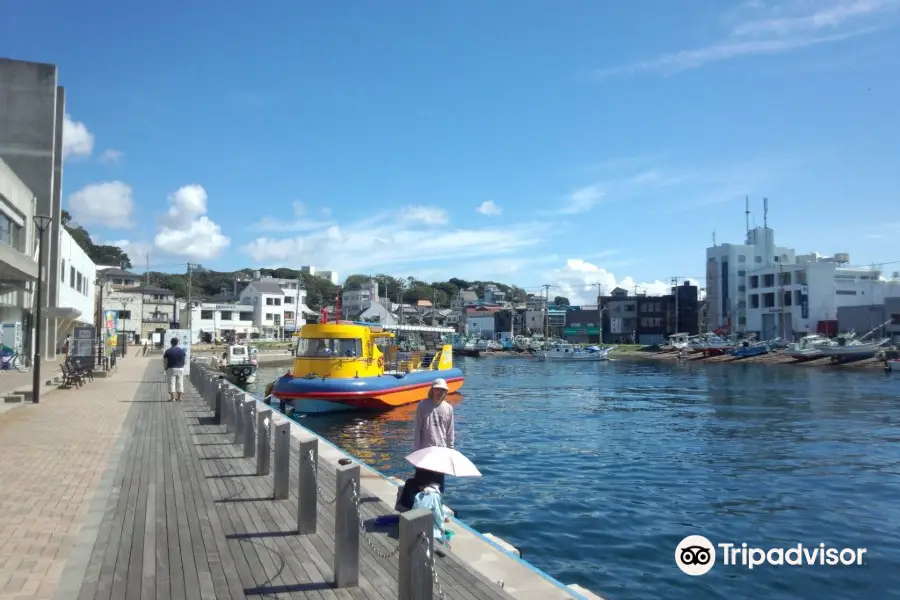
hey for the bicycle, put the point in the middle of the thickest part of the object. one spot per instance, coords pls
(19, 362)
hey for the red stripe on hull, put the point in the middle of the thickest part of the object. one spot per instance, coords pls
(349, 395)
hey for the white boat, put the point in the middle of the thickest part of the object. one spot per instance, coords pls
(239, 364)
(572, 352)
(850, 348)
(678, 342)
(808, 347)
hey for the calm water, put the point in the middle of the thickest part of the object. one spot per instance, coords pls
(597, 471)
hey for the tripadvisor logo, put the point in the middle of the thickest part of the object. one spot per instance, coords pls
(696, 555)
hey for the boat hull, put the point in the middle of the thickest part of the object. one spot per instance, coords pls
(383, 392)
(238, 373)
(575, 357)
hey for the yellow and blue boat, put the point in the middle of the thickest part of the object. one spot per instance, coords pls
(357, 366)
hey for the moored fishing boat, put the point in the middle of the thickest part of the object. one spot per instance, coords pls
(747, 349)
(357, 366)
(575, 353)
(851, 349)
(239, 364)
(808, 348)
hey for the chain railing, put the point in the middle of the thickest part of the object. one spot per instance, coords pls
(365, 533)
(429, 562)
(315, 466)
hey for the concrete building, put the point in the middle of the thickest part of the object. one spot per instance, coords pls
(884, 318)
(583, 325)
(31, 127)
(18, 259)
(356, 302)
(620, 317)
(279, 305)
(331, 276)
(727, 268)
(158, 310)
(481, 321)
(793, 299)
(115, 278)
(493, 294)
(77, 301)
(377, 312)
(211, 320)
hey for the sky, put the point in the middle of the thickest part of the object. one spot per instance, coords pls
(581, 144)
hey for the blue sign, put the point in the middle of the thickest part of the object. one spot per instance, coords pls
(804, 306)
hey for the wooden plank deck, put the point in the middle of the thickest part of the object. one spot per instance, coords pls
(188, 518)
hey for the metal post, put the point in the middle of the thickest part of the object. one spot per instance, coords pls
(415, 581)
(282, 459)
(249, 414)
(263, 440)
(227, 402)
(219, 402)
(41, 223)
(307, 486)
(346, 527)
(238, 416)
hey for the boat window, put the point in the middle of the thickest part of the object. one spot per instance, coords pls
(238, 351)
(325, 347)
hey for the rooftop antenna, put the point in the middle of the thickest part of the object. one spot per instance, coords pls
(714, 237)
(747, 214)
(765, 212)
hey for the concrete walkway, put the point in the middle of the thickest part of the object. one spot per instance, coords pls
(54, 457)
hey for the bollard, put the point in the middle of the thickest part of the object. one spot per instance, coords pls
(415, 577)
(282, 459)
(346, 527)
(249, 414)
(263, 440)
(218, 403)
(238, 417)
(306, 489)
(226, 408)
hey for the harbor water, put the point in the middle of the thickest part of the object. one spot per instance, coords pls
(596, 471)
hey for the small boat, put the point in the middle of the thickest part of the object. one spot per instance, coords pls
(359, 366)
(239, 364)
(748, 349)
(572, 352)
(808, 347)
(850, 348)
(678, 342)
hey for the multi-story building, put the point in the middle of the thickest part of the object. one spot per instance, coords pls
(583, 325)
(620, 320)
(727, 268)
(18, 263)
(493, 294)
(481, 321)
(31, 128)
(356, 302)
(792, 299)
(76, 303)
(159, 310)
(279, 305)
(643, 319)
(331, 276)
(882, 319)
(211, 321)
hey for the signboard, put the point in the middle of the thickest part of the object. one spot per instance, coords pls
(184, 340)
(582, 330)
(615, 325)
(111, 328)
(81, 349)
(804, 306)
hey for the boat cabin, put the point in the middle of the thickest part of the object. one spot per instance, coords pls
(237, 355)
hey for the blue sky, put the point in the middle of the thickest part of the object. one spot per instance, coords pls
(532, 142)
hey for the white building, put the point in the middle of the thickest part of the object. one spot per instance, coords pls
(791, 300)
(18, 259)
(727, 267)
(331, 276)
(278, 305)
(77, 301)
(356, 302)
(209, 321)
(493, 294)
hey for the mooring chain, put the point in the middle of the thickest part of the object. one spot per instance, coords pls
(315, 466)
(429, 562)
(365, 533)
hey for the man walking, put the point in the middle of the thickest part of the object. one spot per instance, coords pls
(173, 362)
(434, 424)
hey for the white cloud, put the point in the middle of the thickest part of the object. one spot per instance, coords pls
(580, 281)
(110, 156)
(489, 208)
(109, 204)
(383, 242)
(297, 221)
(77, 140)
(581, 200)
(185, 229)
(782, 27)
(136, 251)
(428, 215)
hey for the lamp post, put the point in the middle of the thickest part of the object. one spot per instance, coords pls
(41, 222)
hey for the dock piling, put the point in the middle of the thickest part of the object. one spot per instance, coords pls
(249, 414)
(218, 402)
(346, 527)
(416, 550)
(308, 486)
(263, 440)
(282, 459)
(238, 417)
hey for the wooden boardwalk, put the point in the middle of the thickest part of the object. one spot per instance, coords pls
(188, 519)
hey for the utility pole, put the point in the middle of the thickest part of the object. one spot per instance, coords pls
(781, 294)
(190, 308)
(599, 309)
(546, 324)
(433, 304)
(675, 293)
(147, 272)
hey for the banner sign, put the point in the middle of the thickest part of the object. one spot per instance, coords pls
(184, 340)
(81, 349)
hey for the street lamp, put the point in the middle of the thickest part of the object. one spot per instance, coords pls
(41, 222)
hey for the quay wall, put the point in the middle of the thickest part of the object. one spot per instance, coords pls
(518, 577)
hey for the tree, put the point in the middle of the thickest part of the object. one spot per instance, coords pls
(101, 254)
(561, 301)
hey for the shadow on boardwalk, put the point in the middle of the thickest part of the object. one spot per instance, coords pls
(188, 518)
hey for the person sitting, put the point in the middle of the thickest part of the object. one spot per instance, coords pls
(223, 360)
